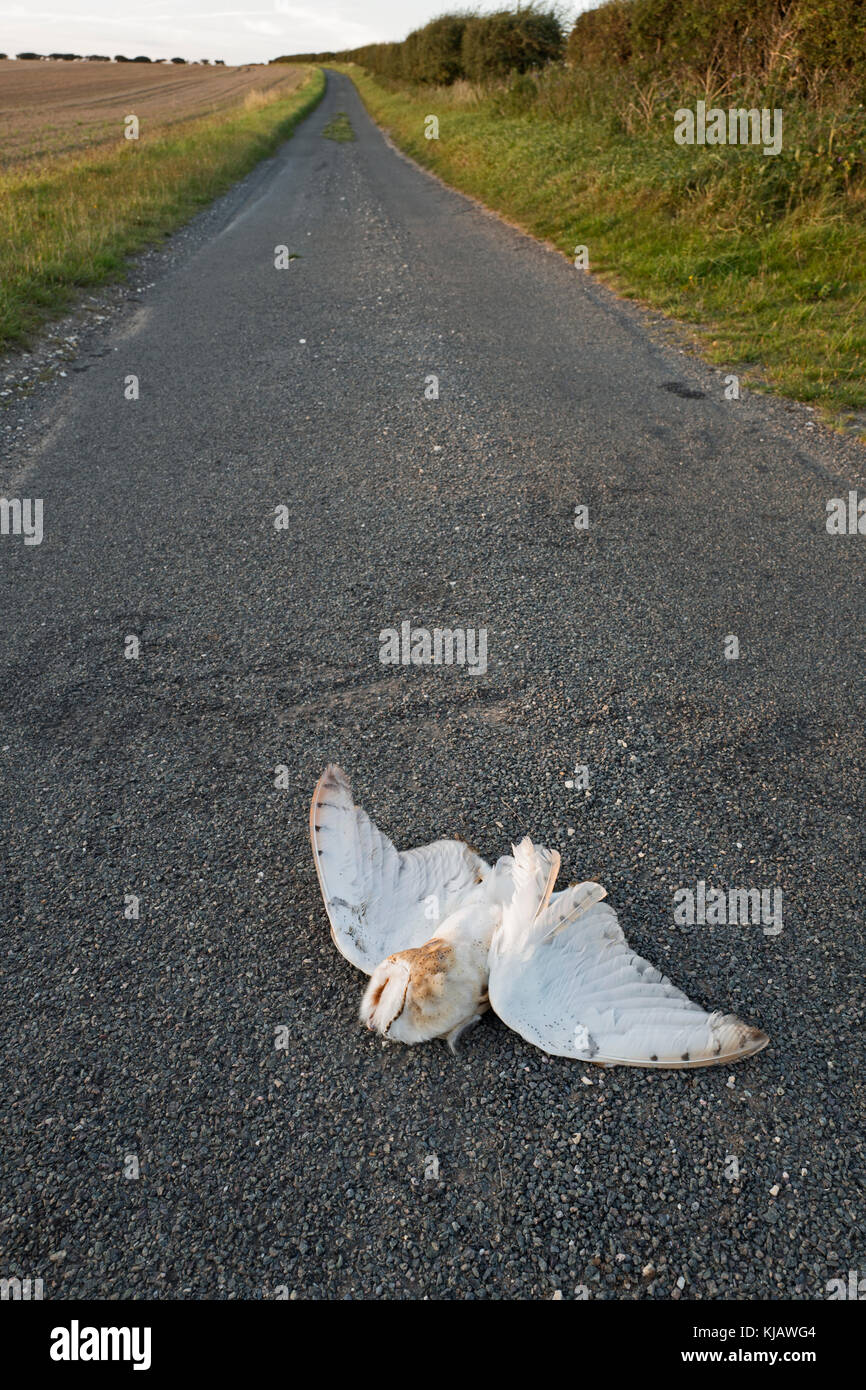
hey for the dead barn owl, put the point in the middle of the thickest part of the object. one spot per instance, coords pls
(444, 936)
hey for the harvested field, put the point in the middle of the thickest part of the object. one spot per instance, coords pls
(55, 108)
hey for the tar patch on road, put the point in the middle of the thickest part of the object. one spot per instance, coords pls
(679, 388)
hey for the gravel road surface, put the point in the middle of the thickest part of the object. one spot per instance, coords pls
(338, 1166)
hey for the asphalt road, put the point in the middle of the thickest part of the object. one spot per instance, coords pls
(308, 1168)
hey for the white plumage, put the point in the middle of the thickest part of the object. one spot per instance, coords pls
(444, 936)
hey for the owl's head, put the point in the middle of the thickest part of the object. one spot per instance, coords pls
(418, 994)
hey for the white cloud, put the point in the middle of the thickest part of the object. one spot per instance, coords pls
(262, 26)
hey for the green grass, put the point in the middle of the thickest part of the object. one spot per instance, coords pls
(765, 256)
(74, 221)
(339, 129)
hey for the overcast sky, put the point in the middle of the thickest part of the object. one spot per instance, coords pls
(238, 32)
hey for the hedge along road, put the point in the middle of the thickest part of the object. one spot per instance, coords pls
(148, 1043)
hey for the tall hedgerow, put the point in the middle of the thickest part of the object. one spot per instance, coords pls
(735, 39)
(462, 45)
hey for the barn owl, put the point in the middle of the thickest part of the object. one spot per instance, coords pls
(444, 936)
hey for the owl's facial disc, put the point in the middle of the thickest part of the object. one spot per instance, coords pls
(385, 996)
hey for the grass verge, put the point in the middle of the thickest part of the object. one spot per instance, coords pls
(75, 220)
(765, 256)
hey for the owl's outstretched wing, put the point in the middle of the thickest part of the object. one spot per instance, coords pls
(380, 901)
(569, 982)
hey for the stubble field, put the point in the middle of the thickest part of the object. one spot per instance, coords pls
(56, 108)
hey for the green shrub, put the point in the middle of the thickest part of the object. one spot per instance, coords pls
(831, 36)
(437, 53)
(495, 45)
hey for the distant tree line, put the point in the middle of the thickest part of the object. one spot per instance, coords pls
(103, 58)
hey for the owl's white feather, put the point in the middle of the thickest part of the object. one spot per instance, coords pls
(533, 874)
(379, 900)
(568, 981)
